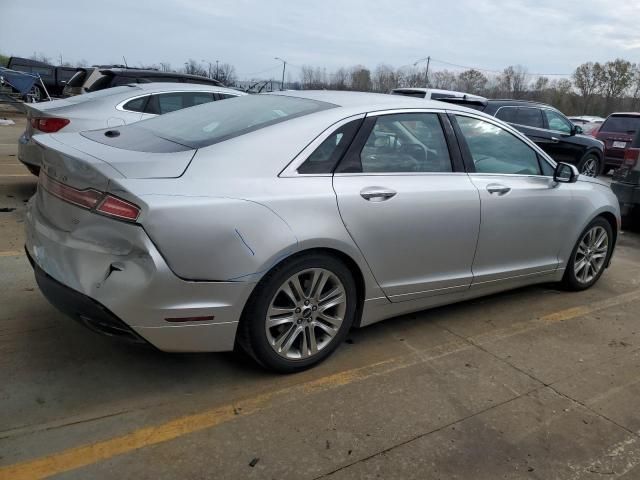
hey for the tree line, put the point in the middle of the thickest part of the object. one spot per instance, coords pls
(592, 89)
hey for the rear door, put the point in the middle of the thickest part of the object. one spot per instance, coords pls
(525, 214)
(408, 205)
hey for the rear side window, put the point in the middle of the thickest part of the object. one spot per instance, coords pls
(162, 103)
(531, 117)
(104, 82)
(215, 122)
(621, 124)
(136, 105)
(223, 96)
(558, 122)
(328, 154)
(495, 150)
(507, 114)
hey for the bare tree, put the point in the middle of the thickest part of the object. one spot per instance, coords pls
(361, 79)
(226, 73)
(513, 81)
(384, 78)
(191, 67)
(442, 79)
(40, 57)
(587, 78)
(471, 81)
(165, 67)
(617, 77)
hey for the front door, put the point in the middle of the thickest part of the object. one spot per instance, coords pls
(414, 218)
(525, 214)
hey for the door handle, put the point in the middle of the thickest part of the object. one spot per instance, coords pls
(377, 194)
(498, 189)
(555, 139)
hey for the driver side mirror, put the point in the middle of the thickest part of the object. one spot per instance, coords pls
(577, 130)
(565, 173)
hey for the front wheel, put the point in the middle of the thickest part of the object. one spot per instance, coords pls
(299, 313)
(589, 165)
(590, 256)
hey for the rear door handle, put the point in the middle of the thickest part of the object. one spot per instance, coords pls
(555, 139)
(377, 194)
(498, 189)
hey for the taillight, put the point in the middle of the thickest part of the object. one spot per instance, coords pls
(49, 124)
(116, 207)
(631, 157)
(100, 202)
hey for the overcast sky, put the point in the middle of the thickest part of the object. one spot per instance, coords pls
(546, 36)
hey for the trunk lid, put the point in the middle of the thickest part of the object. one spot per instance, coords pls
(115, 162)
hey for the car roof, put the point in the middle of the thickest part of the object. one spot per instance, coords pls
(509, 101)
(171, 86)
(366, 101)
(625, 114)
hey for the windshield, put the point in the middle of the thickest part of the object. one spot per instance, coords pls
(214, 122)
(621, 124)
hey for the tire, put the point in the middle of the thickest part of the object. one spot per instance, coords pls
(590, 165)
(279, 331)
(587, 248)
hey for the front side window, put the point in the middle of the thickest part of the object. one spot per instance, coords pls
(557, 122)
(531, 117)
(495, 150)
(406, 142)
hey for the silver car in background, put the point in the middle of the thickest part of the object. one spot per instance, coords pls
(277, 222)
(111, 107)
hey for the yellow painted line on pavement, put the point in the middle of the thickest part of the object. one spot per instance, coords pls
(12, 253)
(85, 455)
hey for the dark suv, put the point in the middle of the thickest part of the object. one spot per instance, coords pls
(551, 131)
(98, 78)
(626, 183)
(617, 133)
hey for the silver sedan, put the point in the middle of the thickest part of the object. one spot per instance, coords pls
(111, 107)
(278, 222)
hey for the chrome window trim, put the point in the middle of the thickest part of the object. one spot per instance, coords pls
(505, 126)
(291, 170)
(120, 105)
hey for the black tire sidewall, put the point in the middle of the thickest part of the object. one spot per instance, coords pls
(570, 279)
(255, 339)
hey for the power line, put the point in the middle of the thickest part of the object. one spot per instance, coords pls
(497, 71)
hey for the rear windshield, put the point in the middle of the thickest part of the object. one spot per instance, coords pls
(621, 124)
(87, 97)
(78, 79)
(214, 122)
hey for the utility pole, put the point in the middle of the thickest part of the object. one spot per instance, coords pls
(284, 67)
(426, 73)
(217, 71)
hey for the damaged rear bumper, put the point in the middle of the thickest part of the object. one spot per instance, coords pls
(109, 276)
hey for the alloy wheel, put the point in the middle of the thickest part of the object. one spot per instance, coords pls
(591, 254)
(306, 313)
(590, 167)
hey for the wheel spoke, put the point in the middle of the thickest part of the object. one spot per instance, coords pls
(334, 321)
(292, 338)
(600, 240)
(318, 283)
(313, 345)
(326, 328)
(297, 288)
(284, 336)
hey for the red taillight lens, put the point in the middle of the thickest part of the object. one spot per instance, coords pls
(631, 157)
(88, 198)
(49, 125)
(116, 207)
(91, 199)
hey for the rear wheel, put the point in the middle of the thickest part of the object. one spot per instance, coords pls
(299, 313)
(590, 165)
(590, 256)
